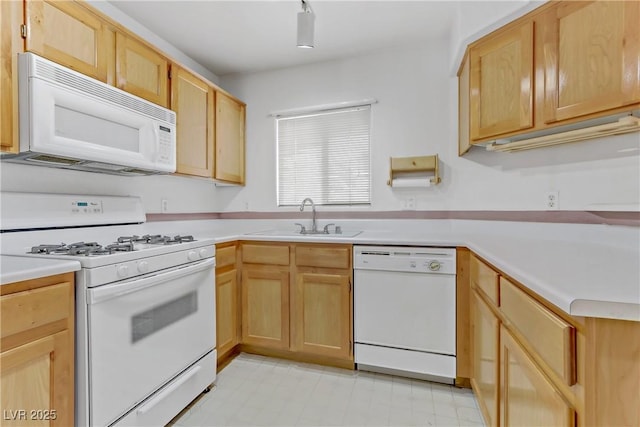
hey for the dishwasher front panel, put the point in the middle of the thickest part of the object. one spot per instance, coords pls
(413, 311)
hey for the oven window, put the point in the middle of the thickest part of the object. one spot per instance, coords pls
(150, 321)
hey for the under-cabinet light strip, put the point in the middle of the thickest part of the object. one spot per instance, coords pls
(623, 125)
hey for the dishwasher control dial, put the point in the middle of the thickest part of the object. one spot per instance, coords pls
(434, 265)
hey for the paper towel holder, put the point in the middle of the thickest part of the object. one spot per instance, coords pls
(420, 166)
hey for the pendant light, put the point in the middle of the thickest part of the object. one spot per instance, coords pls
(306, 20)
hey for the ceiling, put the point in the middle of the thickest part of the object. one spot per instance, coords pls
(237, 36)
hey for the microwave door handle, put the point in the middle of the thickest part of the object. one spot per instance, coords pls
(103, 293)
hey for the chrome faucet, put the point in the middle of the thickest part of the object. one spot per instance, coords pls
(314, 226)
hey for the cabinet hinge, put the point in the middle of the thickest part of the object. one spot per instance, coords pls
(169, 73)
(23, 31)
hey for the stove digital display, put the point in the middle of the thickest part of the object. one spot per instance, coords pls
(83, 204)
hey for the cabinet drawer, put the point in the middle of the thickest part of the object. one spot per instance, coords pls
(550, 337)
(321, 256)
(265, 254)
(484, 278)
(225, 256)
(30, 309)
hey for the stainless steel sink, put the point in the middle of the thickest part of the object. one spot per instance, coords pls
(297, 233)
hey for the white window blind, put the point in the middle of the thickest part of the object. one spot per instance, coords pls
(325, 156)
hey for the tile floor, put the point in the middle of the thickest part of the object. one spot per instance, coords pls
(260, 391)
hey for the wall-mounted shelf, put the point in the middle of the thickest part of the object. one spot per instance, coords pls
(421, 171)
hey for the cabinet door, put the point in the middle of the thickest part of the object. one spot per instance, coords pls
(501, 84)
(142, 71)
(265, 306)
(323, 314)
(226, 311)
(527, 396)
(591, 58)
(230, 123)
(37, 378)
(10, 45)
(67, 33)
(485, 352)
(192, 100)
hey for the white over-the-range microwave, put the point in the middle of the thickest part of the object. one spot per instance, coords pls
(68, 120)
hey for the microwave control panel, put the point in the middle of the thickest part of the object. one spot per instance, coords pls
(166, 145)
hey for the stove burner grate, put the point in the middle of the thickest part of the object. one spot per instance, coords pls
(156, 239)
(123, 244)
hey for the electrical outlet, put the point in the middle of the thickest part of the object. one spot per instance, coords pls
(165, 205)
(410, 203)
(552, 201)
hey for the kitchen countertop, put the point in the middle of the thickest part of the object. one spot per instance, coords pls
(581, 278)
(17, 268)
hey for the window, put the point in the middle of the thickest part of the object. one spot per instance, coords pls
(325, 156)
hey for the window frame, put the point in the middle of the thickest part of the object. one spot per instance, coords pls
(301, 113)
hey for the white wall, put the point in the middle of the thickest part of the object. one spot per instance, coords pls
(183, 194)
(416, 114)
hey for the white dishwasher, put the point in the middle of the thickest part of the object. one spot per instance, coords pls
(405, 311)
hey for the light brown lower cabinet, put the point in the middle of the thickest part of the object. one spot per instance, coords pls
(321, 323)
(226, 311)
(485, 356)
(265, 306)
(37, 352)
(297, 301)
(527, 397)
(227, 300)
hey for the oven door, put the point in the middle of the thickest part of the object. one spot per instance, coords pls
(145, 331)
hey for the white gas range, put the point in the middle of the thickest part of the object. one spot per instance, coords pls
(145, 304)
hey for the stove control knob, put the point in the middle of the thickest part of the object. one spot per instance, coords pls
(434, 265)
(122, 270)
(143, 266)
(203, 253)
(192, 255)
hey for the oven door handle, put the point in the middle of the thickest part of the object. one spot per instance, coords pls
(102, 293)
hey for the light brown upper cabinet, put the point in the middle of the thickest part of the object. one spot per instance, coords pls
(563, 63)
(69, 34)
(230, 125)
(591, 58)
(464, 144)
(210, 123)
(193, 101)
(501, 84)
(142, 71)
(10, 46)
